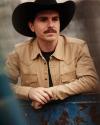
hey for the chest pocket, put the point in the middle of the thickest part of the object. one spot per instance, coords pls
(68, 71)
(68, 77)
(30, 80)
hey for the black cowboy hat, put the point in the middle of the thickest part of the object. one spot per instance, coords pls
(27, 11)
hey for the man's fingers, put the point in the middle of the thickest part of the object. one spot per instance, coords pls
(36, 105)
(45, 95)
(40, 98)
(36, 98)
(49, 92)
(41, 95)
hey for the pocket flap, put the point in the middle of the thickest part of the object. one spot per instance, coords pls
(28, 79)
(68, 77)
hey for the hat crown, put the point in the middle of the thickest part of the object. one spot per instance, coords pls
(45, 2)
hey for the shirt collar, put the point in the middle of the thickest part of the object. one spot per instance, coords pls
(36, 50)
(58, 53)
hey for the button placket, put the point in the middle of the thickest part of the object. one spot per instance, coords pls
(46, 74)
(45, 71)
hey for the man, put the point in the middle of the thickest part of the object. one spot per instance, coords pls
(50, 66)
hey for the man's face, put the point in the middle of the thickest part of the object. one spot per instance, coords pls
(46, 25)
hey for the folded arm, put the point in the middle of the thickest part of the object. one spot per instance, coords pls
(86, 81)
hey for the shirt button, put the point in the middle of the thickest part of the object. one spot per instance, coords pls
(45, 78)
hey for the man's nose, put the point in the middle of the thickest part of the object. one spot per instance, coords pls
(50, 23)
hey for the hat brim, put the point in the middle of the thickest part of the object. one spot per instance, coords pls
(26, 11)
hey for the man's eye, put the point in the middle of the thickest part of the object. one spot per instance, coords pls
(55, 19)
(43, 19)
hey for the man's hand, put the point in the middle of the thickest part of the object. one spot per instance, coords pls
(40, 95)
(36, 105)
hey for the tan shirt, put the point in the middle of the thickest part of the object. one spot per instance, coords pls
(72, 69)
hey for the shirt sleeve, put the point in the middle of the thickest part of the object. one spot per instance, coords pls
(87, 79)
(12, 69)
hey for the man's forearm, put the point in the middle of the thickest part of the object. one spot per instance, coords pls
(82, 85)
(21, 91)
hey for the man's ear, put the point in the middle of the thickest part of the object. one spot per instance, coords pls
(30, 24)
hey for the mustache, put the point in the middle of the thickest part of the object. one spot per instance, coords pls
(50, 30)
